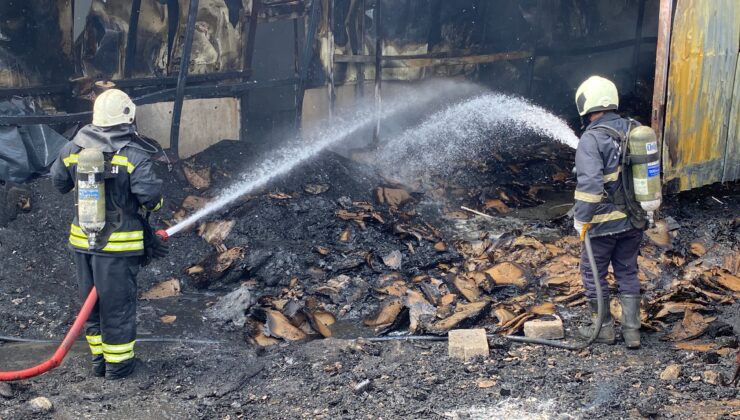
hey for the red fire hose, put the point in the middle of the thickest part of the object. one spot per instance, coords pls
(69, 339)
(63, 349)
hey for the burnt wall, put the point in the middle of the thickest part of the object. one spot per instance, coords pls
(556, 45)
(560, 43)
(35, 47)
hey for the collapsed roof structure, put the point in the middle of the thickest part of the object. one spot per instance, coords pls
(260, 64)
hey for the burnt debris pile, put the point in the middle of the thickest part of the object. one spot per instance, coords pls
(334, 242)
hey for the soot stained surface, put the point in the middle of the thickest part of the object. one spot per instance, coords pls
(325, 378)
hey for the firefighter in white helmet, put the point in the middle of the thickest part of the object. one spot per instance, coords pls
(602, 207)
(111, 261)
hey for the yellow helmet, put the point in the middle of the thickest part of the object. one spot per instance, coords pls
(596, 94)
(113, 107)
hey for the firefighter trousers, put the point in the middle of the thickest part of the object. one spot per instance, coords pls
(111, 328)
(620, 250)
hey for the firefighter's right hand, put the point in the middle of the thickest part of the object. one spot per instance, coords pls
(160, 248)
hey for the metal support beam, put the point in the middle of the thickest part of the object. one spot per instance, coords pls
(196, 92)
(425, 60)
(182, 79)
(476, 57)
(248, 43)
(531, 67)
(662, 56)
(435, 25)
(308, 47)
(377, 16)
(296, 69)
(132, 38)
(332, 48)
(360, 49)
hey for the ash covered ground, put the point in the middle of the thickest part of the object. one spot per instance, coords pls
(321, 237)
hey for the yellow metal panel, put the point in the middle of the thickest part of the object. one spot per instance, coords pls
(704, 52)
(732, 156)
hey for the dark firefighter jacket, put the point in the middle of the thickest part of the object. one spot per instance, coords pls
(130, 183)
(599, 197)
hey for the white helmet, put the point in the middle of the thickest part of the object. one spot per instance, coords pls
(596, 94)
(113, 107)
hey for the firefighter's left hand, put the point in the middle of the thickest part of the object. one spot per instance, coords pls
(160, 248)
(578, 225)
(581, 228)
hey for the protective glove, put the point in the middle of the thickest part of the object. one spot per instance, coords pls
(581, 228)
(160, 247)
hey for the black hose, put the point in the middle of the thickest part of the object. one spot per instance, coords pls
(140, 340)
(600, 311)
(405, 338)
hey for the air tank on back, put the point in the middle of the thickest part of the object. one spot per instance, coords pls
(91, 193)
(645, 164)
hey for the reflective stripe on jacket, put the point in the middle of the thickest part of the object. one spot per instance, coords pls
(130, 185)
(598, 167)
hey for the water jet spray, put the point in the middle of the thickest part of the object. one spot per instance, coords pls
(279, 163)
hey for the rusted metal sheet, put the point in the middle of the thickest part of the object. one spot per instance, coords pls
(732, 155)
(704, 59)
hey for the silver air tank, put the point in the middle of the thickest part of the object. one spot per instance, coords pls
(91, 193)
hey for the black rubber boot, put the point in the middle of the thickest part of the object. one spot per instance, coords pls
(98, 363)
(119, 370)
(631, 320)
(606, 334)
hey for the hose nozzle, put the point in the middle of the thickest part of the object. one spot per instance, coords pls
(162, 234)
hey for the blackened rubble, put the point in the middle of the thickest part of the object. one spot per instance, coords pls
(294, 243)
(334, 236)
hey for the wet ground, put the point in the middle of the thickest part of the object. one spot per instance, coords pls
(335, 378)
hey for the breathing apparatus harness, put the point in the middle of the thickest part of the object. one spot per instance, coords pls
(96, 221)
(638, 193)
(623, 198)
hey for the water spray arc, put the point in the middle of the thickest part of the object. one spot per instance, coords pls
(339, 128)
(279, 163)
(469, 127)
(468, 120)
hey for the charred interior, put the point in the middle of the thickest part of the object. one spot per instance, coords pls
(351, 187)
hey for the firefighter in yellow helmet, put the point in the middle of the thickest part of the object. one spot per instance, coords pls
(109, 259)
(601, 207)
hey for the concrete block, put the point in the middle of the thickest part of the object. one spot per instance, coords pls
(711, 377)
(466, 344)
(546, 329)
(671, 372)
